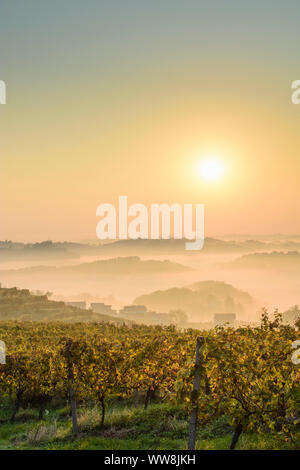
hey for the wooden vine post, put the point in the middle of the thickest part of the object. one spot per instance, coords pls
(195, 394)
(71, 389)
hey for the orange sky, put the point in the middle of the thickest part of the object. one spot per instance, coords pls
(82, 136)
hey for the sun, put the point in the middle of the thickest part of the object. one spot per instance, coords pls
(211, 169)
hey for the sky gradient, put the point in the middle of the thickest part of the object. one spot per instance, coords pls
(124, 98)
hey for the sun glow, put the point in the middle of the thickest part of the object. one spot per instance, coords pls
(211, 169)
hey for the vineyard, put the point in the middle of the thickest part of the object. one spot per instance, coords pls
(244, 375)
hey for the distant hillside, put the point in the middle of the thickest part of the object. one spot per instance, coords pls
(171, 246)
(275, 260)
(48, 250)
(20, 304)
(199, 300)
(221, 289)
(106, 268)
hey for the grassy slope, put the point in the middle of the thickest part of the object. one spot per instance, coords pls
(161, 427)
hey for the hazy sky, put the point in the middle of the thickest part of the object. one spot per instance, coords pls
(109, 98)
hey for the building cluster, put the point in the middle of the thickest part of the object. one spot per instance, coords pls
(129, 312)
(139, 313)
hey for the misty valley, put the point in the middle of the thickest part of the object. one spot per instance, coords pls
(228, 276)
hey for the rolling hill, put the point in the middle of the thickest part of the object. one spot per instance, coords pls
(200, 300)
(277, 260)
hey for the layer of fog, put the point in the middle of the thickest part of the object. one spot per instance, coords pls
(271, 289)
